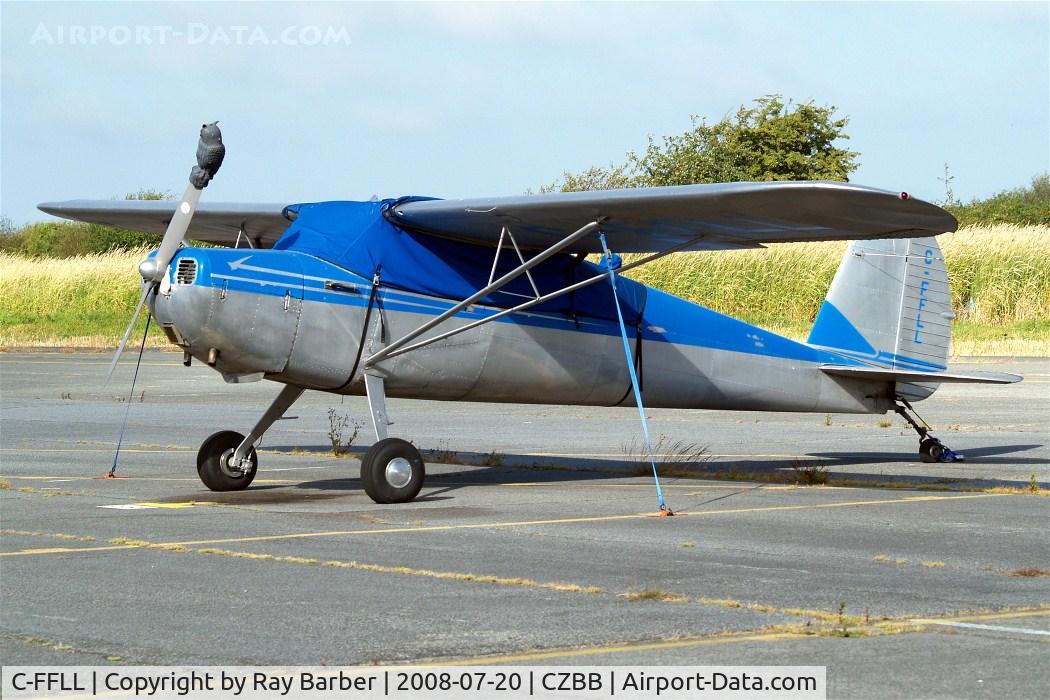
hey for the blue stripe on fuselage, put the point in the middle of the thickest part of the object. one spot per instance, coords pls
(666, 318)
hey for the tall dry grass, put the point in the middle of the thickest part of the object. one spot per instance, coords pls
(999, 275)
(781, 285)
(80, 301)
(97, 282)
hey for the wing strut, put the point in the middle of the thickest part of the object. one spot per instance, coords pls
(495, 260)
(480, 294)
(539, 300)
(242, 233)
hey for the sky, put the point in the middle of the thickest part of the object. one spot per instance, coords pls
(323, 101)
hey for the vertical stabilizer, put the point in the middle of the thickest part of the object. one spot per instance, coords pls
(889, 305)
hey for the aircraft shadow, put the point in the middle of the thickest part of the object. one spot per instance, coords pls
(281, 494)
(488, 469)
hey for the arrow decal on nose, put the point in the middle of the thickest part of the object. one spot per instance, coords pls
(240, 265)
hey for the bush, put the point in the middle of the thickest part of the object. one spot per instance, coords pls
(1022, 206)
(67, 239)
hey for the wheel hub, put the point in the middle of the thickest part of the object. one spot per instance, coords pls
(398, 472)
(228, 467)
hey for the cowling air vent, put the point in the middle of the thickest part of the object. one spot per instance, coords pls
(186, 272)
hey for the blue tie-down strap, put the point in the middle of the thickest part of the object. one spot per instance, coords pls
(610, 263)
(938, 451)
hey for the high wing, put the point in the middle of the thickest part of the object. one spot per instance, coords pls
(213, 222)
(731, 215)
(689, 217)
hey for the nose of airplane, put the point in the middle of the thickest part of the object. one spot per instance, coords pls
(181, 305)
(237, 310)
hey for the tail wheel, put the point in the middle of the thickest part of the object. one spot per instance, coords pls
(931, 450)
(392, 471)
(214, 467)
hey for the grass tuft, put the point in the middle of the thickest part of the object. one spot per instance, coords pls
(655, 594)
(1029, 572)
(342, 431)
(375, 568)
(442, 454)
(674, 458)
(54, 535)
(1027, 490)
(809, 474)
(720, 602)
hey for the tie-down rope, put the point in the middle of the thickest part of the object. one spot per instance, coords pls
(610, 266)
(127, 409)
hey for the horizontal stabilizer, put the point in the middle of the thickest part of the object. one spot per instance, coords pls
(900, 375)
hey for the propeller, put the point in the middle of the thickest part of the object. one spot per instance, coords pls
(210, 152)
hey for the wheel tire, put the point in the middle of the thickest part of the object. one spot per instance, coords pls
(211, 463)
(930, 450)
(392, 471)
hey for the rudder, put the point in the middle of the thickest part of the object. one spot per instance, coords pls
(889, 305)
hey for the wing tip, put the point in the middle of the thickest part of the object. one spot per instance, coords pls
(52, 208)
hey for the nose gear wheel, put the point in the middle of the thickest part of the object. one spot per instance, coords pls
(215, 466)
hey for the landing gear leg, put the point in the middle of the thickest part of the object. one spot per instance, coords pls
(392, 470)
(377, 404)
(227, 461)
(930, 448)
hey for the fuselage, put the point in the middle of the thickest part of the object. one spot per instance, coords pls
(294, 318)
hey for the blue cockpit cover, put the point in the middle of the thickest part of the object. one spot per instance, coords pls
(358, 237)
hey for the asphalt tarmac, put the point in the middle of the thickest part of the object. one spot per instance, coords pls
(533, 540)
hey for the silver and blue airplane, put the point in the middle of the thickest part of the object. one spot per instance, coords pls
(494, 300)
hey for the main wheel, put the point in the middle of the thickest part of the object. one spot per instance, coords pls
(930, 450)
(213, 463)
(392, 471)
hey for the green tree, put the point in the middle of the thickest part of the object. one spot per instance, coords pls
(615, 177)
(770, 140)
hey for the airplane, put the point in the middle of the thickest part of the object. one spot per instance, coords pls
(494, 300)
